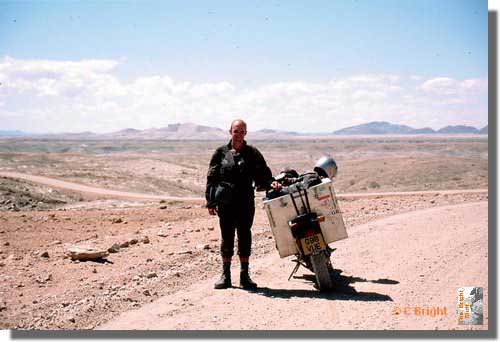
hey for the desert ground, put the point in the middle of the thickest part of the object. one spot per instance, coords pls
(415, 209)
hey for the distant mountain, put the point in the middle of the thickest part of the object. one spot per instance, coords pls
(67, 136)
(275, 131)
(375, 127)
(177, 131)
(278, 134)
(129, 131)
(425, 130)
(484, 130)
(383, 127)
(192, 131)
(459, 129)
(12, 133)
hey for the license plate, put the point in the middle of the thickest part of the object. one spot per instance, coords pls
(313, 244)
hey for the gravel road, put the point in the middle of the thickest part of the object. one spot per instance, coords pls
(400, 272)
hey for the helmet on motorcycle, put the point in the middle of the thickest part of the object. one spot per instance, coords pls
(326, 167)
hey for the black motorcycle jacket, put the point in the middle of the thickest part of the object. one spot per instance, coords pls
(241, 172)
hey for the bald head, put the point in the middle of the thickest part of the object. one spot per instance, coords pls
(238, 122)
(238, 131)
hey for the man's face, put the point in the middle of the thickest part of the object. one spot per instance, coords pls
(238, 132)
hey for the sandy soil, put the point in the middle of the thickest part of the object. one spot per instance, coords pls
(417, 259)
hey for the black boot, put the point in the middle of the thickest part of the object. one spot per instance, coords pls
(245, 280)
(225, 280)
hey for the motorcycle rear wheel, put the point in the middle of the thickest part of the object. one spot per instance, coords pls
(321, 270)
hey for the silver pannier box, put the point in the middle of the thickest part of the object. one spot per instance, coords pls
(322, 200)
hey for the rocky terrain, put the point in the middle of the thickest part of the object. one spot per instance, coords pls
(157, 248)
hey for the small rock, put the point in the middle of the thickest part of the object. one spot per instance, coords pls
(210, 228)
(48, 277)
(3, 306)
(115, 248)
(56, 242)
(72, 319)
(149, 260)
(44, 254)
(202, 246)
(133, 241)
(432, 201)
(94, 270)
(117, 220)
(145, 239)
(163, 201)
(82, 253)
(146, 293)
(124, 244)
(162, 234)
(6, 243)
(151, 275)
(162, 207)
(185, 252)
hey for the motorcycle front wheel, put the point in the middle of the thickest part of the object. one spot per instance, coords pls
(321, 270)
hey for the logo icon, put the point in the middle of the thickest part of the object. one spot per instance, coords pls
(470, 305)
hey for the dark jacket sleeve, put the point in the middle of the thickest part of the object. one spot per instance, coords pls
(263, 176)
(212, 179)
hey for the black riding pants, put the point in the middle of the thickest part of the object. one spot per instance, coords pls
(239, 218)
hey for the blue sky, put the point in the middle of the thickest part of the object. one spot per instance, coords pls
(422, 63)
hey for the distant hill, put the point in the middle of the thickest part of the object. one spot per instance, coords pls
(192, 131)
(274, 131)
(375, 127)
(383, 127)
(177, 131)
(425, 130)
(459, 129)
(12, 133)
(273, 134)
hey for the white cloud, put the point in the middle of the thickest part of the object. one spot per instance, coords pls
(58, 78)
(88, 95)
(450, 86)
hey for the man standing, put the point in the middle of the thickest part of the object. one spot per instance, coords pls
(233, 171)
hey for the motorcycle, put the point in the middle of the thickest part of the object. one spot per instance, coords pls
(304, 223)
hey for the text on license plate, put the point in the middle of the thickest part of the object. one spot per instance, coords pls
(312, 244)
